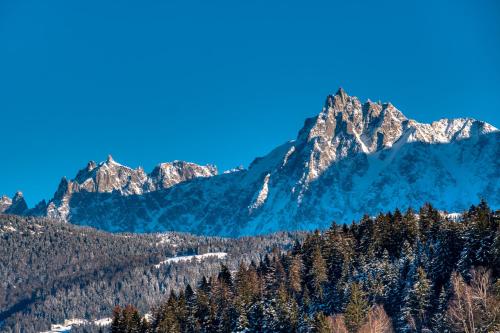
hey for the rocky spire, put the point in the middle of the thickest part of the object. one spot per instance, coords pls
(62, 189)
(342, 94)
(91, 166)
(18, 205)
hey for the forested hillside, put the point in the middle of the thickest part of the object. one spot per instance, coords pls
(52, 271)
(402, 272)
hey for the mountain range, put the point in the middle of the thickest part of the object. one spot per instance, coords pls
(352, 158)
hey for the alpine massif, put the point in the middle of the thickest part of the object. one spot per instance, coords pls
(351, 159)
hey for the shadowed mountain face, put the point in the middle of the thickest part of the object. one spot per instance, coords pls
(352, 158)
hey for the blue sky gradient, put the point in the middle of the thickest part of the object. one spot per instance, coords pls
(222, 82)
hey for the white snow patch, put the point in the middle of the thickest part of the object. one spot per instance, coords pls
(69, 323)
(262, 195)
(103, 322)
(9, 228)
(454, 216)
(197, 257)
(287, 155)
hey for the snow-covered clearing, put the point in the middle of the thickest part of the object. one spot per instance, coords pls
(197, 257)
(69, 323)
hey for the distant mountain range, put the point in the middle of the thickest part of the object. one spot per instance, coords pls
(352, 158)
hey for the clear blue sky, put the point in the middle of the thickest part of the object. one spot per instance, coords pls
(222, 81)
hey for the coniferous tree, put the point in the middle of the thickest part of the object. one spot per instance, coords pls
(410, 227)
(428, 218)
(438, 321)
(203, 308)
(295, 274)
(318, 273)
(192, 324)
(116, 323)
(168, 321)
(357, 308)
(416, 303)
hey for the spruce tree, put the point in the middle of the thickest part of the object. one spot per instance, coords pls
(192, 324)
(438, 321)
(416, 302)
(295, 274)
(357, 308)
(318, 273)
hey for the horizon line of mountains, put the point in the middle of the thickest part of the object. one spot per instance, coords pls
(351, 159)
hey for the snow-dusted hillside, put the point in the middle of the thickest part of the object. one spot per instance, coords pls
(351, 159)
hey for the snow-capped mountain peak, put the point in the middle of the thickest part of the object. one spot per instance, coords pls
(110, 176)
(350, 159)
(346, 126)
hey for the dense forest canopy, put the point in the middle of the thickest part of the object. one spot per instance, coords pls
(402, 272)
(51, 271)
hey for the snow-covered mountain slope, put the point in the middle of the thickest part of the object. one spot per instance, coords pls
(352, 158)
(112, 177)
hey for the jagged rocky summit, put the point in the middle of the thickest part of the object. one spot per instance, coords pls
(17, 205)
(351, 159)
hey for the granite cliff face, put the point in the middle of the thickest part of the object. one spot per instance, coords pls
(350, 159)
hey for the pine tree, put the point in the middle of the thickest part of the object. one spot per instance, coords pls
(479, 237)
(203, 305)
(247, 290)
(181, 311)
(287, 311)
(221, 297)
(318, 273)
(446, 254)
(410, 227)
(167, 321)
(357, 308)
(428, 218)
(225, 276)
(416, 302)
(438, 319)
(192, 324)
(295, 274)
(364, 235)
